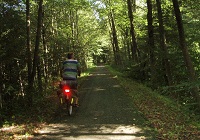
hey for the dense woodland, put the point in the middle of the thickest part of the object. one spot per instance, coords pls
(155, 42)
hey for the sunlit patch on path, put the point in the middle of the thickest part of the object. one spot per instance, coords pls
(87, 132)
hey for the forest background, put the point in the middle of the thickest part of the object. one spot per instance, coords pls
(154, 42)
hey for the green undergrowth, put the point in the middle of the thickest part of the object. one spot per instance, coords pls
(27, 120)
(23, 121)
(170, 120)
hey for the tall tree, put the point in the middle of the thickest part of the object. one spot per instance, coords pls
(114, 38)
(127, 44)
(28, 40)
(36, 51)
(183, 46)
(45, 51)
(132, 30)
(163, 45)
(151, 41)
(1, 86)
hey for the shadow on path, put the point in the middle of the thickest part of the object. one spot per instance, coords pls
(105, 113)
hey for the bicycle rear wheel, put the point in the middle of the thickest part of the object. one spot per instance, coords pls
(70, 110)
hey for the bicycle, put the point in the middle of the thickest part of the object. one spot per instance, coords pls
(67, 97)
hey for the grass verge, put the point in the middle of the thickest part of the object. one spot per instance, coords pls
(166, 116)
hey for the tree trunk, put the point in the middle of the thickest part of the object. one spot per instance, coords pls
(128, 43)
(115, 40)
(132, 30)
(113, 48)
(72, 30)
(39, 76)
(28, 22)
(183, 46)
(111, 40)
(20, 80)
(36, 52)
(45, 61)
(151, 43)
(1, 86)
(164, 45)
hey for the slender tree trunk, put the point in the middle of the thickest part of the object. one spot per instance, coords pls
(37, 42)
(1, 89)
(72, 29)
(183, 46)
(20, 80)
(132, 30)
(36, 52)
(111, 40)
(39, 76)
(28, 22)
(45, 61)
(76, 30)
(1, 86)
(114, 49)
(151, 42)
(115, 40)
(128, 43)
(164, 45)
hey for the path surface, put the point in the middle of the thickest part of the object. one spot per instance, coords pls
(105, 113)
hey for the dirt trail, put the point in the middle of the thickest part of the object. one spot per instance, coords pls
(105, 113)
